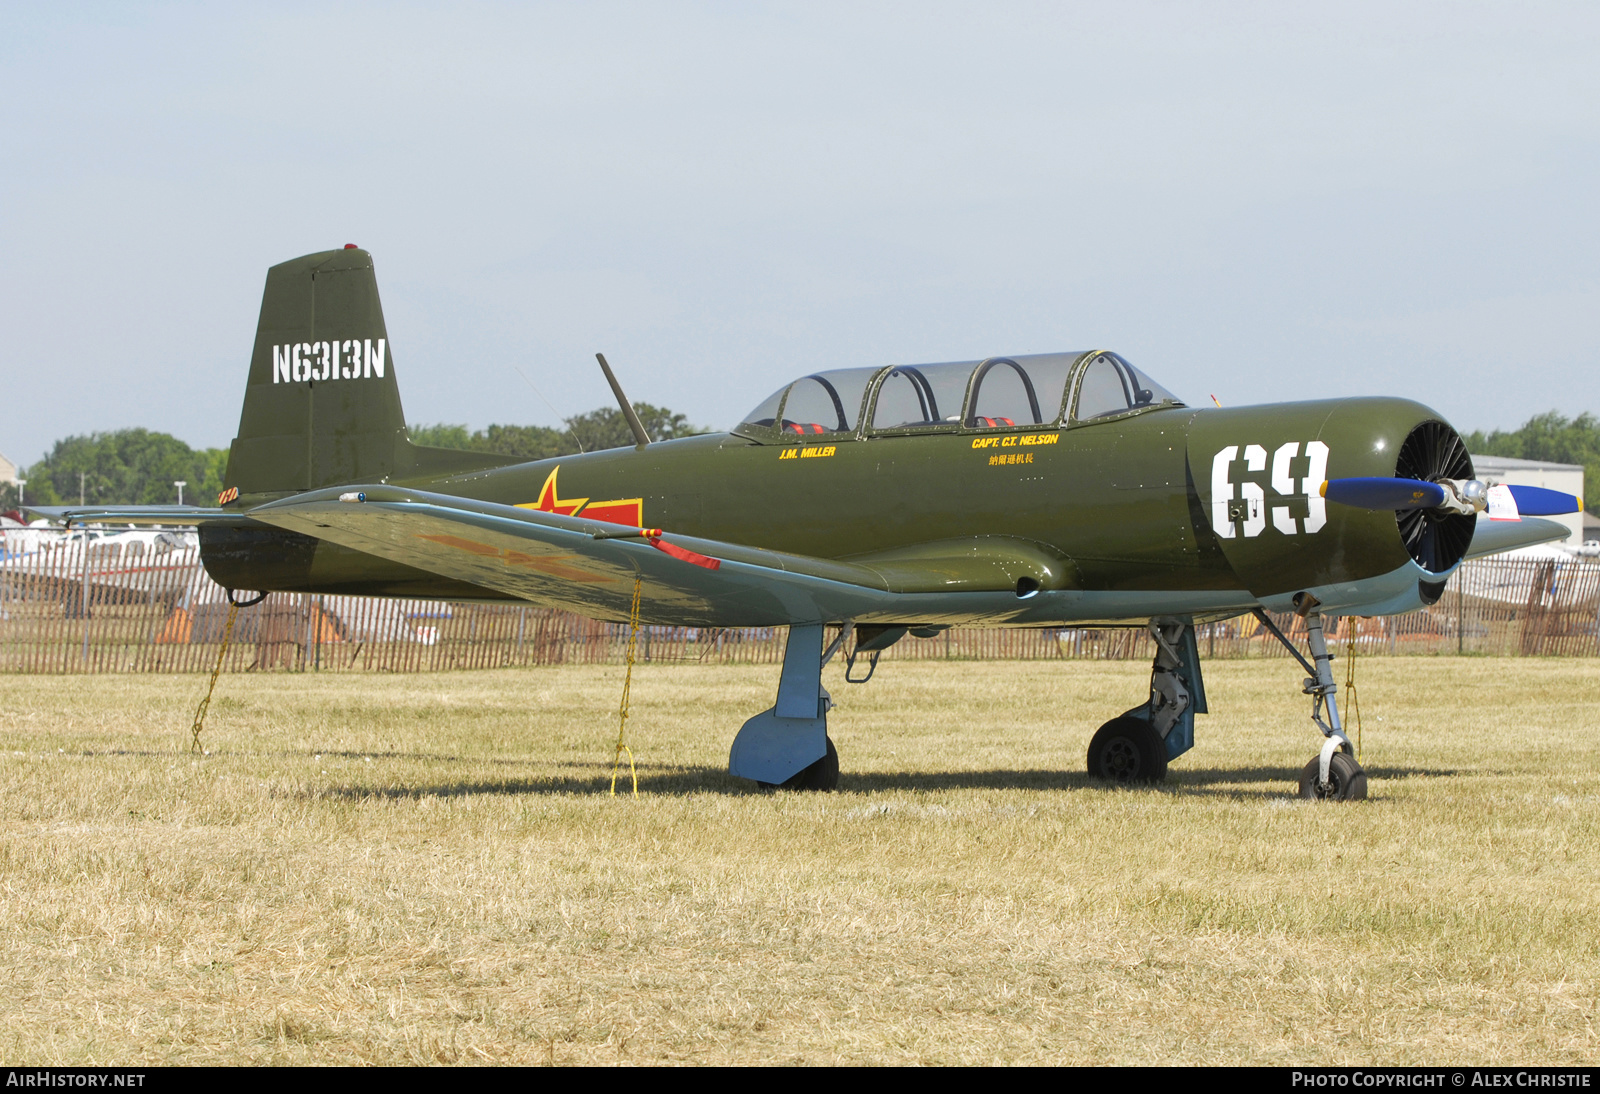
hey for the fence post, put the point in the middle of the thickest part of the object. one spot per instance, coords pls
(83, 599)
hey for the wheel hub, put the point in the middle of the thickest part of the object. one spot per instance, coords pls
(1346, 780)
(1122, 760)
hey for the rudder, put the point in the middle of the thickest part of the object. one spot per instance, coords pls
(322, 406)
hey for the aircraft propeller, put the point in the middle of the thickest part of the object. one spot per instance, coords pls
(1464, 496)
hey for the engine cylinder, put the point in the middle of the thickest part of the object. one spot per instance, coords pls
(1435, 540)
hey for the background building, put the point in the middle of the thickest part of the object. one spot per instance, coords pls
(1566, 477)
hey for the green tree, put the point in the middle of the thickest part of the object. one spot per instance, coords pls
(139, 467)
(607, 428)
(440, 435)
(597, 429)
(1555, 438)
(125, 467)
(527, 442)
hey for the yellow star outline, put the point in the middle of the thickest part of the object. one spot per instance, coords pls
(628, 511)
(551, 502)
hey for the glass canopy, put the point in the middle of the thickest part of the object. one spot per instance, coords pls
(996, 393)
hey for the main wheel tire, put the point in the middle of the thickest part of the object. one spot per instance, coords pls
(1347, 782)
(1128, 750)
(822, 775)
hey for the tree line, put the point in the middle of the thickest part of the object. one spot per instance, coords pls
(1554, 438)
(124, 467)
(603, 428)
(139, 467)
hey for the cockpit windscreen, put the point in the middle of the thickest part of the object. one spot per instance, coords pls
(1112, 386)
(824, 402)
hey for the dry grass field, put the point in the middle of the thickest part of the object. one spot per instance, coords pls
(428, 868)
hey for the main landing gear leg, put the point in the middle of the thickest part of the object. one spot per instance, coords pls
(787, 745)
(1335, 775)
(1135, 748)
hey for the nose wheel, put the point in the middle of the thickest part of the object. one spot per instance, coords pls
(1346, 781)
(1334, 775)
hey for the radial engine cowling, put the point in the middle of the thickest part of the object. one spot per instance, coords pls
(1258, 472)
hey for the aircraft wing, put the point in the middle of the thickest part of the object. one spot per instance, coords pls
(579, 564)
(1491, 537)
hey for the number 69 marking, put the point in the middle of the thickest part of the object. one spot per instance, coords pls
(1249, 510)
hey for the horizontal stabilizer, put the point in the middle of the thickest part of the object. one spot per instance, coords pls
(182, 516)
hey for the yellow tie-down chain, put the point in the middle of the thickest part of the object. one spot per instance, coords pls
(1353, 703)
(627, 686)
(205, 704)
(222, 652)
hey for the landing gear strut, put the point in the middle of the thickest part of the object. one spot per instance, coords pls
(1135, 748)
(1335, 775)
(787, 745)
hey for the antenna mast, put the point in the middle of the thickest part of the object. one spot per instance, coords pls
(622, 400)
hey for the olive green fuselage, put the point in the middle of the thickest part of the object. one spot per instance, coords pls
(1133, 503)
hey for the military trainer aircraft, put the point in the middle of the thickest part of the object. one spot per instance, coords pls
(1021, 491)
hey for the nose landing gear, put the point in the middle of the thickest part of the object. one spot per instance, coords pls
(1335, 775)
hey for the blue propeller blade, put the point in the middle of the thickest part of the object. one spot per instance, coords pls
(1384, 493)
(1536, 501)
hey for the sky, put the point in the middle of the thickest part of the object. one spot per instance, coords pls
(1260, 202)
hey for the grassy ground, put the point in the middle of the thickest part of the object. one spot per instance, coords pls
(428, 868)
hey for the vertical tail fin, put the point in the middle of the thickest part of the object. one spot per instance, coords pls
(322, 406)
